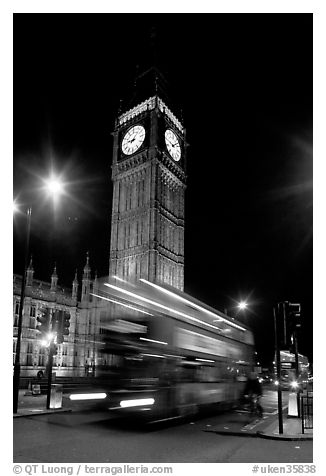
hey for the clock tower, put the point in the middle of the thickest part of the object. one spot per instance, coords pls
(149, 181)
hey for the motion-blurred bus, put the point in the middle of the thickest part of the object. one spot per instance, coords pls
(171, 354)
(289, 379)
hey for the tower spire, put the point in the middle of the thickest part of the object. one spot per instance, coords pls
(149, 80)
(75, 287)
(54, 279)
(30, 273)
(86, 281)
(87, 269)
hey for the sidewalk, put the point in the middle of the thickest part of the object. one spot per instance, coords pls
(292, 430)
(36, 404)
(268, 428)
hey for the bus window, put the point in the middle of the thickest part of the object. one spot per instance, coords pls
(207, 373)
(187, 373)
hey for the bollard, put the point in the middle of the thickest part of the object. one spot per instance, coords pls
(29, 389)
(56, 396)
(293, 405)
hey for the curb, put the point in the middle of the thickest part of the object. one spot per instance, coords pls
(233, 433)
(49, 412)
(271, 436)
(261, 434)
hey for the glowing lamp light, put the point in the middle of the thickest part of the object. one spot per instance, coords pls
(242, 305)
(15, 207)
(54, 186)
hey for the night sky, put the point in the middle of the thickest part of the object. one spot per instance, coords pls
(244, 84)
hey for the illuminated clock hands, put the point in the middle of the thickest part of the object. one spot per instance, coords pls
(133, 140)
(173, 145)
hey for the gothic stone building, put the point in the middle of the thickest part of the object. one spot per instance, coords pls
(79, 354)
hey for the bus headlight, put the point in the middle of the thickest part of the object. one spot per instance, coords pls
(137, 402)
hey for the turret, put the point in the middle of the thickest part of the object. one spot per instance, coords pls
(75, 287)
(86, 281)
(54, 280)
(30, 273)
(95, 283)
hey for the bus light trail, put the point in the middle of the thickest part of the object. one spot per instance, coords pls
(122, 304)
(200, 308)
(166, 308)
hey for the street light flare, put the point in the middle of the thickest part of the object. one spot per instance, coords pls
(54, 186)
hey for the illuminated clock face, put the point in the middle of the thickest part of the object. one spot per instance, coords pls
(173, 145)
(133, 140)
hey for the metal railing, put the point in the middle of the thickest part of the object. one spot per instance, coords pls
(307, 411)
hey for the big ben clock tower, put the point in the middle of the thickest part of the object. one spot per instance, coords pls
(149, 181)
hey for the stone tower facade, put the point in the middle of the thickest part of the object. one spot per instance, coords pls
(149, 181)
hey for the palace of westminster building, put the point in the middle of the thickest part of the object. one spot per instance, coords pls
(147, 235)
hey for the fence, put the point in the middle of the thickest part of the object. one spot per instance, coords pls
(307, 411)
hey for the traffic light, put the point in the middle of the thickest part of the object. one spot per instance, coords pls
(294, 323)
(43, 321)
(54, 349)
(293, 317)
(62, 325)
(55, 321)
(289, 321)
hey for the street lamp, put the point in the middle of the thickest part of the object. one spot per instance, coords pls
(20, 316)
(242, 305)
(55, 188)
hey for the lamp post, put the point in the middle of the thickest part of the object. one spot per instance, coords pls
(54, 187)
(20, 315)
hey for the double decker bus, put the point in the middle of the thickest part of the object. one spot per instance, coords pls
(171, 354)
(289, 379)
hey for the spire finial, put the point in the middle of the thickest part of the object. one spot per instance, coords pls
(87, 268)
(55, 269)
(75, 286)
(30, 266)
(54, 278)
(29, 273)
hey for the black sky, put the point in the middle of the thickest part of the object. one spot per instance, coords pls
(244, 83)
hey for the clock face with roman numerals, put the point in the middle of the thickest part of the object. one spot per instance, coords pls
(133, 140)
(173, 145)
